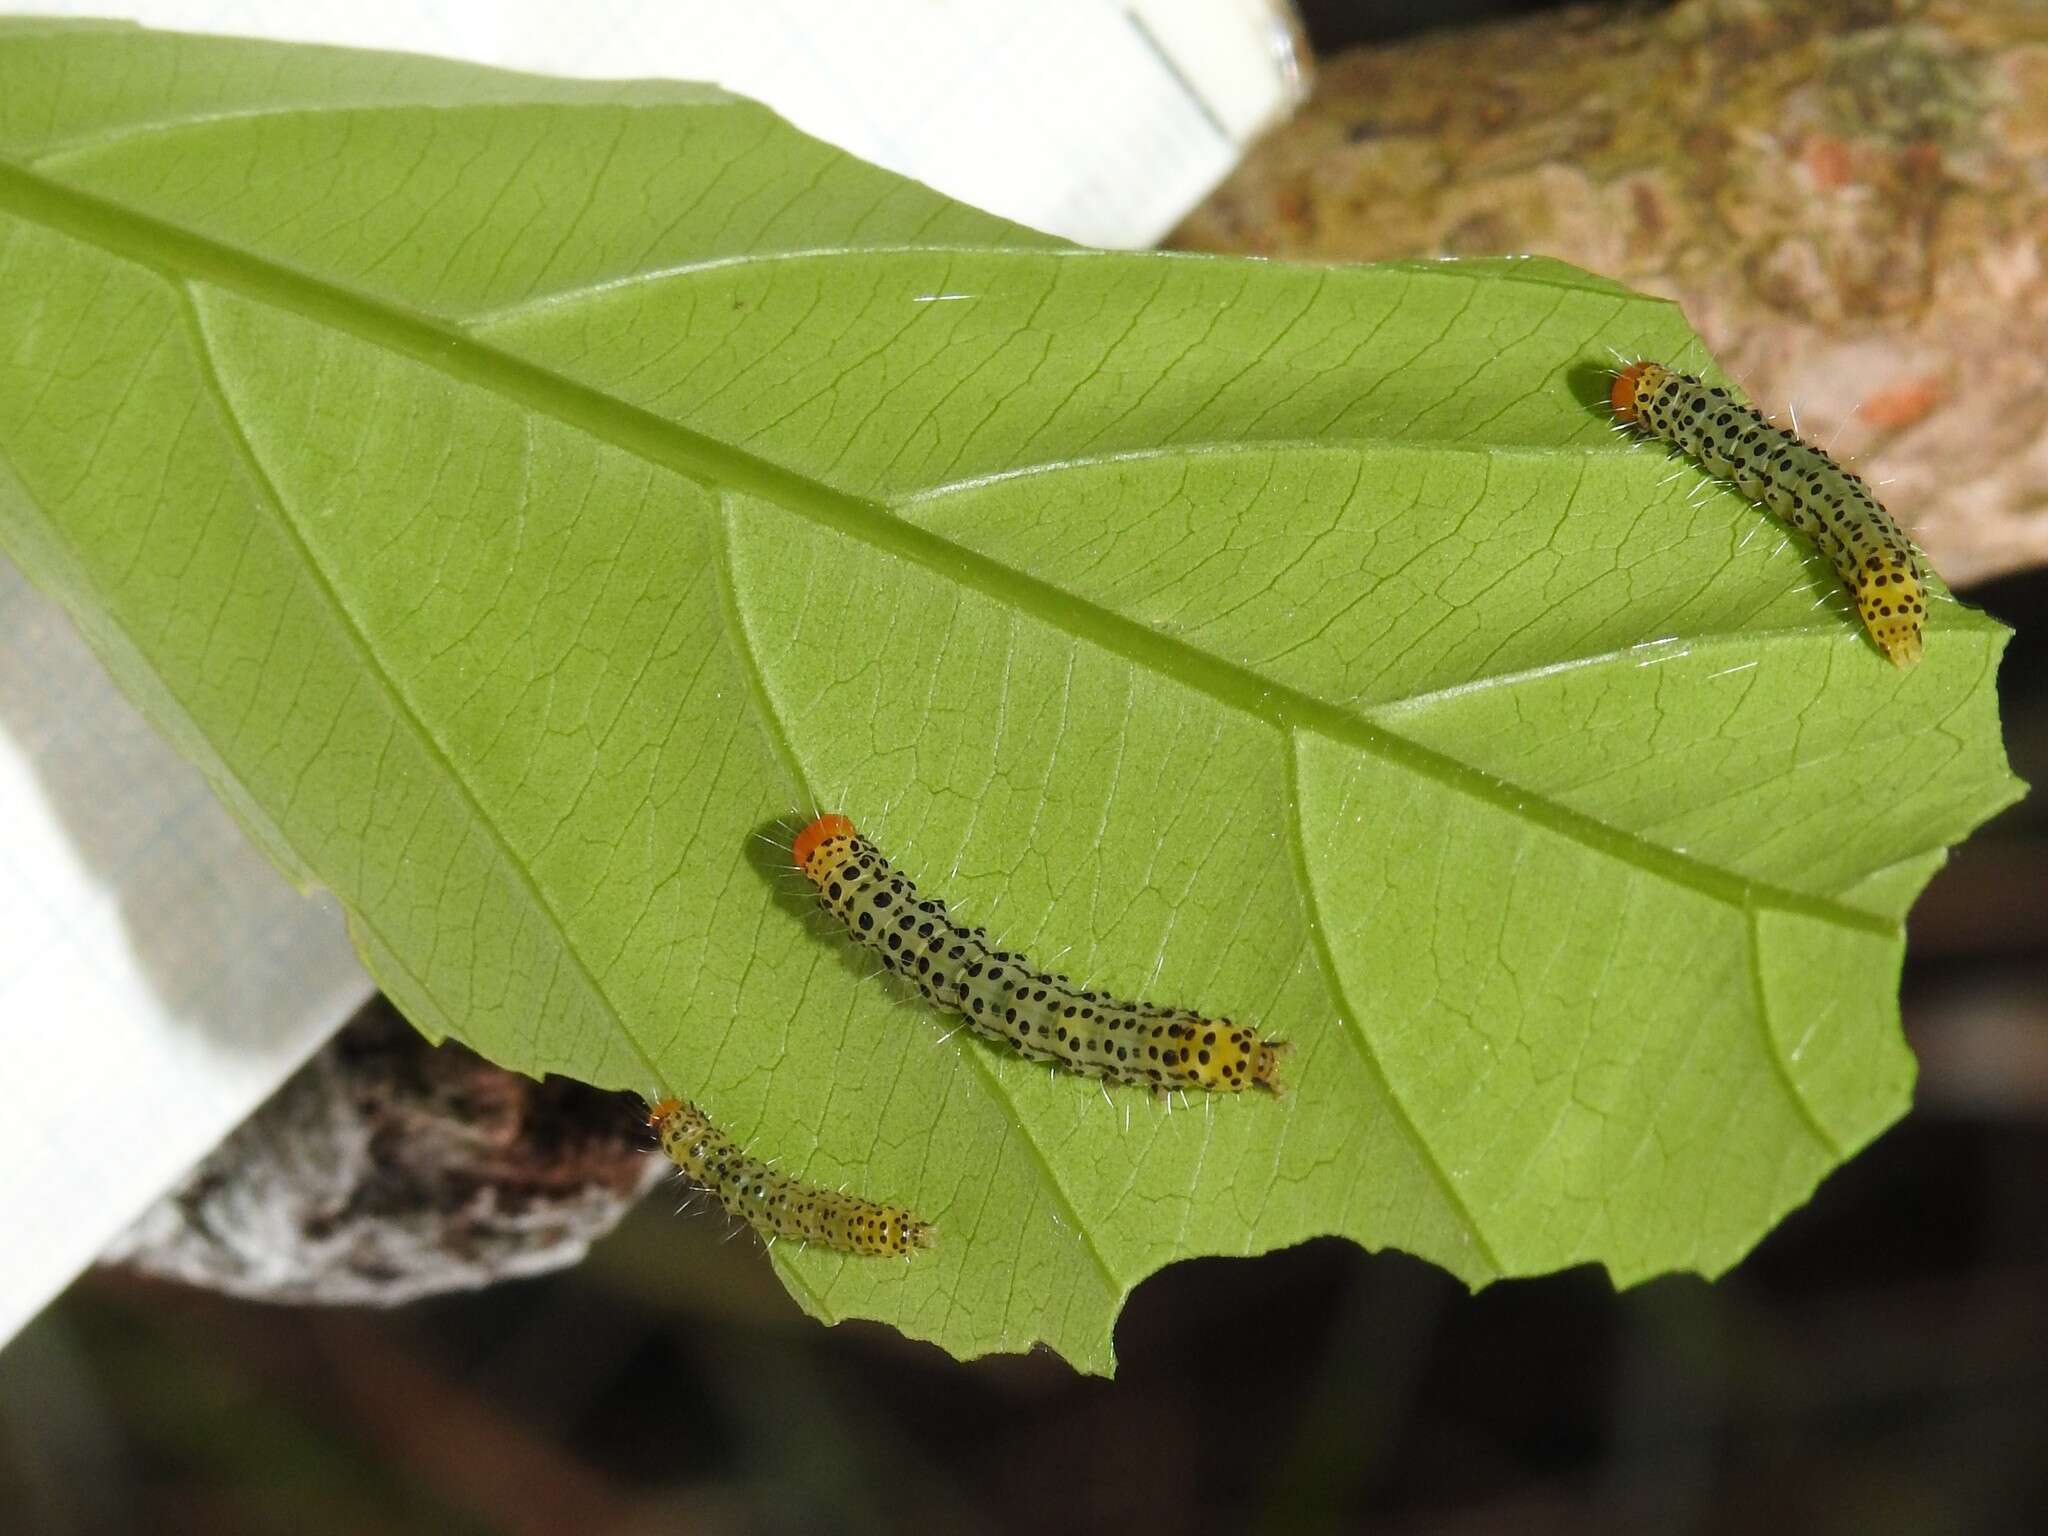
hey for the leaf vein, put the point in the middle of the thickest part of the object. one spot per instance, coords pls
(374, 667)
(786, 751)
(1326, 965)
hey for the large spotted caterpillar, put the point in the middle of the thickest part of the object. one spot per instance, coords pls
(774, 1204)
(1799, 483)
(1003, 996)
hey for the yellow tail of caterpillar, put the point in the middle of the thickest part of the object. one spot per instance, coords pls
(1003, 996)
(1799, 483)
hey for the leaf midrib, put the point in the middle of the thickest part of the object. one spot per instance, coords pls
(184, 256)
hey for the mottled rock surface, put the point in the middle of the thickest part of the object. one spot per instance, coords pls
(388, 1169)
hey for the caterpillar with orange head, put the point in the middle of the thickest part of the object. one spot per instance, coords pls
(775, 1204)
(1003, 996)
(1796, 481)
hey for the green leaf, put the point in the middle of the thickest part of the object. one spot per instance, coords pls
(519, 494)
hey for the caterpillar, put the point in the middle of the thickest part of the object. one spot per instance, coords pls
(775, 1204)
(1799, 483)
(1003, 996)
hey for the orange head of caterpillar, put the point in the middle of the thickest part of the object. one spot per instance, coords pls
(823, 845)
(1630, 385)
(661, 1109)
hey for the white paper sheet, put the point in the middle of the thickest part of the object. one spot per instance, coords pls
(1101, 120)
(158, 977)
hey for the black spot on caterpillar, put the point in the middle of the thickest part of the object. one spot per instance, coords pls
(774, 1204)
(1796, 481)
(1003, 996)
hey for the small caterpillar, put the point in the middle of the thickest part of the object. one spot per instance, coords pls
(1003, 996)
(1799, 483)
(774, 1204)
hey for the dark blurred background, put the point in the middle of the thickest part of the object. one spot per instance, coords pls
(1878, 1365)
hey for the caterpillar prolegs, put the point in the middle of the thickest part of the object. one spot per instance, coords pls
(1003, 996)
(1799, 483)
(775, 1204)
